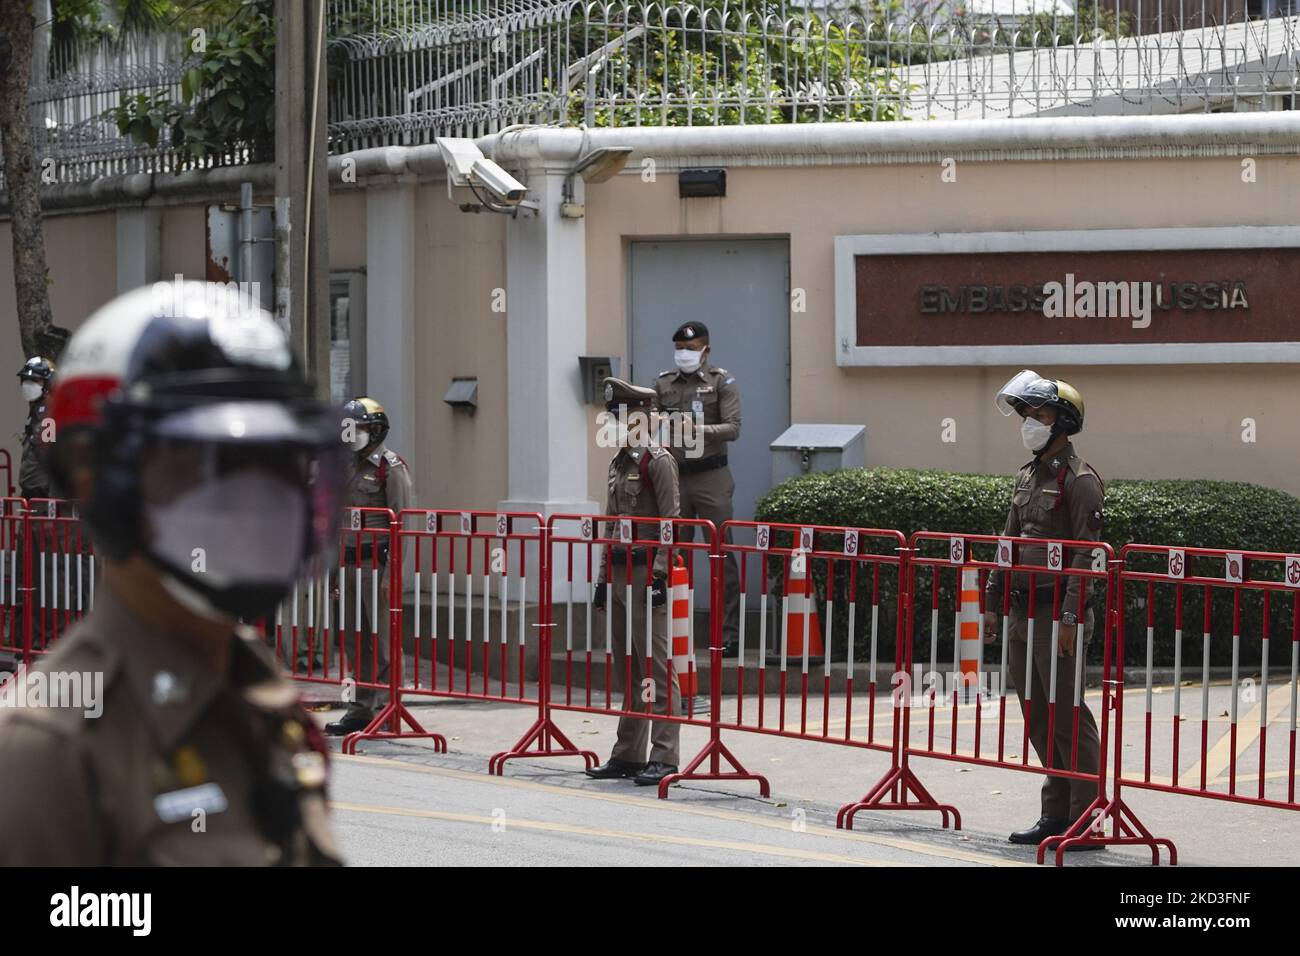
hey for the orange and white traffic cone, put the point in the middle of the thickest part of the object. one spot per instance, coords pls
(801, 615)
(683, 656)
(969, 642)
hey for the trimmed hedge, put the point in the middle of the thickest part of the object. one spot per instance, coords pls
(1207, 514)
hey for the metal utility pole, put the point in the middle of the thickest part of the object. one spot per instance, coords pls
(302, 183)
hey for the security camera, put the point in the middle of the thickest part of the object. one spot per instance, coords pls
(504, 186)
(467, 167)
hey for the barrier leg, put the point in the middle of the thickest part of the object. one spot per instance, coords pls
(1126, 830)
(544, 738)
(892, 792)
(715, 750)
(394, 713)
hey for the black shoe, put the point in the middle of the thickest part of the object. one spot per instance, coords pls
(653, 773)
(1039, 832)
(351, 723)
(731, 649)
(614, 769)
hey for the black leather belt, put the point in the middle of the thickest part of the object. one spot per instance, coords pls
(639, 555)
(1020, 596)
(693, 466)
(352, 559)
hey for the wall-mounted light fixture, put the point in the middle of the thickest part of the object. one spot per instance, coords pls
(462, 394)
(698, 183)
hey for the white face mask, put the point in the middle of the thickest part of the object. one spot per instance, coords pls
(360, 439)
(250, 527)
(1035, 434)
(32, 391)
(688, 360)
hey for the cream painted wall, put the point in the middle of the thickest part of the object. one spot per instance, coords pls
(460, 461)
(1167, 421)
(347, 231)
(81, 255)
(181, 248)
(1143, 421)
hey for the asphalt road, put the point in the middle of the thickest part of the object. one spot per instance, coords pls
(424, 810)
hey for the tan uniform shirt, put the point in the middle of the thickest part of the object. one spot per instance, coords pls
(711, 392)
(180, 768)
(628, 495)
(33, 481)
(1046, 505)
(380, 480)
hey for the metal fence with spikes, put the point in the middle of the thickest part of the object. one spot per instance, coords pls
(404, 72)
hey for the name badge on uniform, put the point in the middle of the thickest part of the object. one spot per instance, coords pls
(181, 804)
(704, 390)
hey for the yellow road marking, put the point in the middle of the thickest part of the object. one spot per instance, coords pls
(1218, 758)
(578, 830)
(716, 813)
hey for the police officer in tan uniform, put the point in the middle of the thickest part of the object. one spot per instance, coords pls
(378, 478)
(1057, 496)
(33, 482)
(642, 483)
(34, 376)
(209, 476)
(707, 399)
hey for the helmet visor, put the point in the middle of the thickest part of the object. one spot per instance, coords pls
(1025, 389)
(239, 519)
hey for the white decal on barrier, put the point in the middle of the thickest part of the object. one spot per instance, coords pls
(430, 522)
(805, 539)
(1233, 567)
(957, 550)
(1004, 552)
(625, 530)
(762, 537)
(585, 531)
(850, 542)
(1292, 573)
(666, 532)
(503, 526)
(354, 519)
(52, 508)
(466, 523)
(1177, 563)
(1055, 553)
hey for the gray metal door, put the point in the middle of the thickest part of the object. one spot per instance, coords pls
(738, 288)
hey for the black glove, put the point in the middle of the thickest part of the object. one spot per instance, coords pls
(658, 593)
(598, 600)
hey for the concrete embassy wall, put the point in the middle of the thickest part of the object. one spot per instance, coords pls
(1143, 421)
(80, 254)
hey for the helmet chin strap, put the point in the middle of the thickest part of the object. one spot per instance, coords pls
(1057, 432)
(192, 600)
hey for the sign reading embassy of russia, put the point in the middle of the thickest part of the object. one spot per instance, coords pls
(1125, 301)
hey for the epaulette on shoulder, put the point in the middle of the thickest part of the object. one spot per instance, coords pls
(394, 458)
(671, 371)
(657, 452)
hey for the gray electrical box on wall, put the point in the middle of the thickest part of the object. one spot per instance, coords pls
(804, 448)
(594, 369)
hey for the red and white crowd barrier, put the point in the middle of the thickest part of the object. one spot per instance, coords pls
(850, 644)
